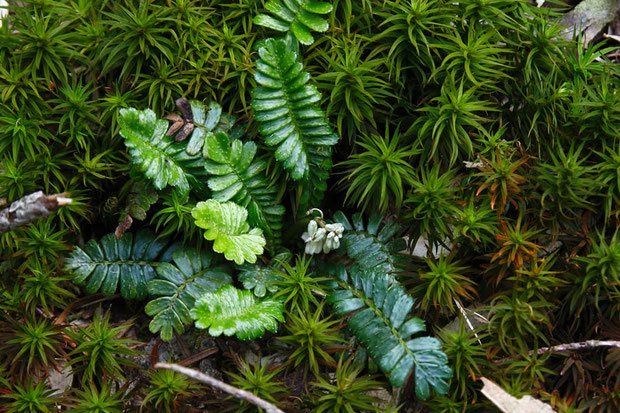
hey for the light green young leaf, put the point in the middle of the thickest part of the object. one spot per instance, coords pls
(226, 225)
(232, 311)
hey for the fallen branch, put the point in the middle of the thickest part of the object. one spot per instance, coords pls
(583, 345)
(238, 393)
(30, 207)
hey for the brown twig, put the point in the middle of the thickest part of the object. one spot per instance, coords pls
(220, 385)
(194, 358)
(30, 207)
(583, 345)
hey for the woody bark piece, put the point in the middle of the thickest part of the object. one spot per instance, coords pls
(509, 404)
(590, 17)
(30, 207)
(4, 9)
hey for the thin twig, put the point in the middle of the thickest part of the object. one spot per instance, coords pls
(240, 394)
(583, 345)
(469, 324)
(30, 207)
(195, 358)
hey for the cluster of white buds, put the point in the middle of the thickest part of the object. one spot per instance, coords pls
(321, 236)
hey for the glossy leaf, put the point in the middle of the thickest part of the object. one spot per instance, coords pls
(372, 245)
(178, 287)
(258, 278)
(297, 17)
(380, 323)
(286, 107)
(232, 311)
(129, 262)
(239, 177)
(226, 225)
(205, 120)
(155, 154)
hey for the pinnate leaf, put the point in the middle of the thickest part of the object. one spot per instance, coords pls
(178, 287)
(239, 177)
(381, 307)
(287, 108)
(227, 226)
(232, 311)
(151, 150)
(297, 17)
(129, 261)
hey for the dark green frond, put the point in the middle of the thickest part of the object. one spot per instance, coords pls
(178, 287)
(129, 260)
(286, 107)
(240, 178)
(380, 323)
(297, 17)
(371, 246)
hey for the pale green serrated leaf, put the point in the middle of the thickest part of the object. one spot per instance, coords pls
(226, 225)
(232, 311)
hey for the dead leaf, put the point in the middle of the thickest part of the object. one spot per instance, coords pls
(60, 380)
(123, 226)
(186, 109)
(185, 131)
(177, 123)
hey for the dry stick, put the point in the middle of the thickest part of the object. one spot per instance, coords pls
(241, 394)
(30, 207)
(583, 345)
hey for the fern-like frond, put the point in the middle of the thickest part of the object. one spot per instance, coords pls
(240, 178)
(178, 287)
(156, 155)
(372, 246)
(232, 311)
(226, 225)
(130, 261)
(380, 323)
(286, 107)
(297, 17)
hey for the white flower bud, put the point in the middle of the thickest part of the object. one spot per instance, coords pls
(319, 235)
(336, 243)
(322, 237)
(312, 227)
